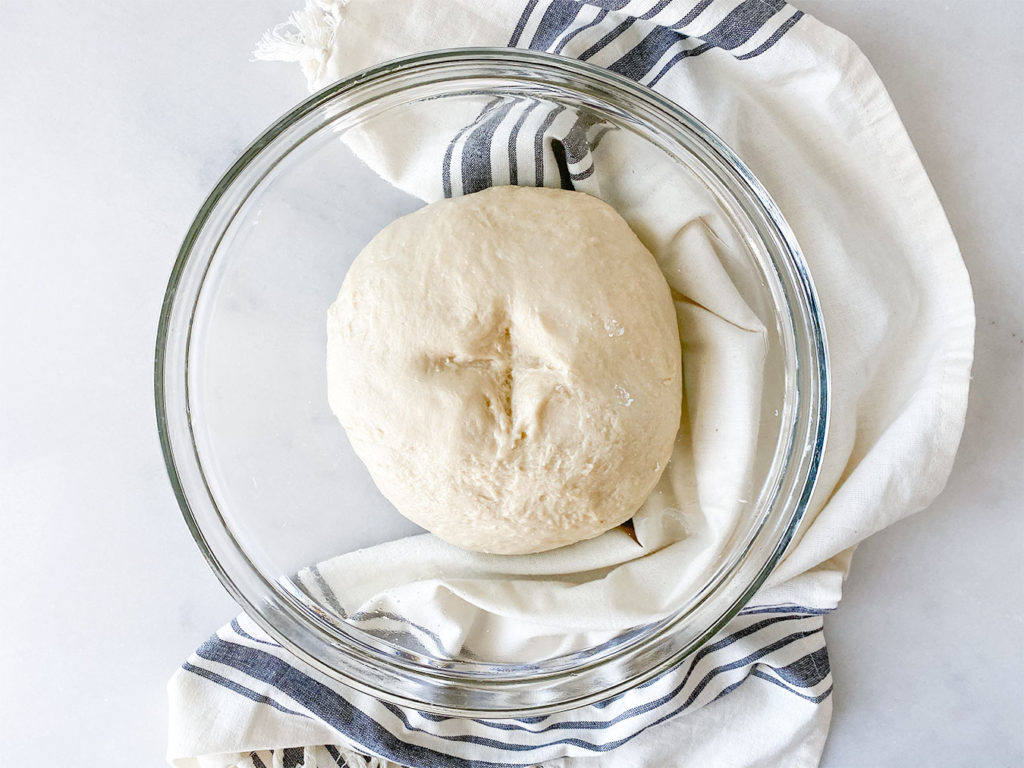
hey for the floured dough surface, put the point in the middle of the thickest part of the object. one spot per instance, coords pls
(507, 366)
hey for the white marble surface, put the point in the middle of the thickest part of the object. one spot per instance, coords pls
(115, 120)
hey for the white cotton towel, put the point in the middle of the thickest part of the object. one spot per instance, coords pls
(804, 109)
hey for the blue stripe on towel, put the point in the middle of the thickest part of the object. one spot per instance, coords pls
(762, 675)
(538, 144)
(524, 17)
(476, 152)
(327, 705)
(597, 725)
(567, 38)
(692, 14)
(560, 14)
(641, 58)
(807, 671)
(775, 37)
(241, 632)
(339, 713)
(513, 160)
(324, 702)
(601, 44)
(231, 685)
(794, 609)
(742, 23)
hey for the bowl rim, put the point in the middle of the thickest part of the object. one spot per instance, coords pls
(368, 671)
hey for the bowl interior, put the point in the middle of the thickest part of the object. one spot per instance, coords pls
(264, 471)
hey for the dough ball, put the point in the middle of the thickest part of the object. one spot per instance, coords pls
(507, 366)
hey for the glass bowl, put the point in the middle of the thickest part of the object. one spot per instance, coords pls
(262, 471)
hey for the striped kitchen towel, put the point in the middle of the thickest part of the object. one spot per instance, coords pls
(804, 109)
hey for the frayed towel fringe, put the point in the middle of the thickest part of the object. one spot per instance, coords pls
(314, 757)
(306, 37)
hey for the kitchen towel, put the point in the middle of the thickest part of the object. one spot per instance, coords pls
(803, 108)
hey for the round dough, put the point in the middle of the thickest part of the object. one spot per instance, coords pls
(507, 366)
